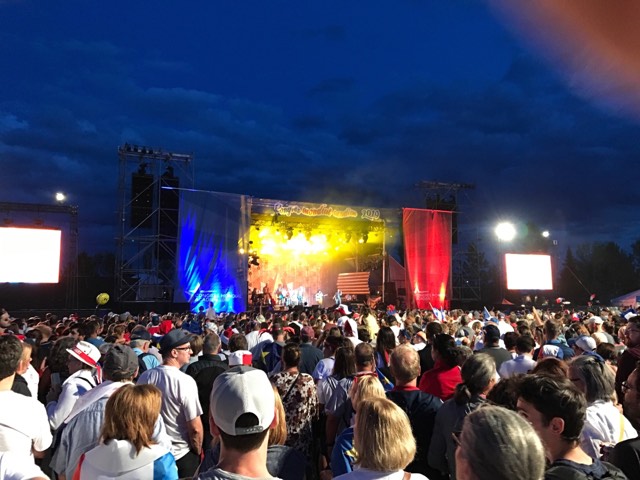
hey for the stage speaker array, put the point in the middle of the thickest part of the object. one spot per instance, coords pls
(141, 200)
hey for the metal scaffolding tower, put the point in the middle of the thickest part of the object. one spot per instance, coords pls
(148, 198)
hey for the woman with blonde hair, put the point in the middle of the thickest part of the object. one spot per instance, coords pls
(499, 444)
(126, 450)
(343, 456)
(382, 444)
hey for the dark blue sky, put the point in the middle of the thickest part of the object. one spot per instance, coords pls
(347, 102)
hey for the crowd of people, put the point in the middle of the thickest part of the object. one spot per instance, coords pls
(321, 393)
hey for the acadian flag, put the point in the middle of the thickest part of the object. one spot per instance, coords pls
(439, 314)
(486, 315)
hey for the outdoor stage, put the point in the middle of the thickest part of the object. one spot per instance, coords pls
(238, 251)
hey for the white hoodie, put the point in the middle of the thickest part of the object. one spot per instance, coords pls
(118, 459)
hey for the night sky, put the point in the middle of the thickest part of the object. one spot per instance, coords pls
(340, 101)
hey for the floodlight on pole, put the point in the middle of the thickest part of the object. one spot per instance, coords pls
(505, 231)
(546, 234)
(60, 197)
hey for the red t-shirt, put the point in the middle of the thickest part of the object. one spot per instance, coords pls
(441, 380)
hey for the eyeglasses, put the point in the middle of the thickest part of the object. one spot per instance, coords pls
(183, 348)
(625, 387)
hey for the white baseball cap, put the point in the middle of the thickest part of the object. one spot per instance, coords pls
(86, 353)
(242, 390)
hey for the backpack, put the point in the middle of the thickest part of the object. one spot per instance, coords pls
(569, 473)
(142, 367)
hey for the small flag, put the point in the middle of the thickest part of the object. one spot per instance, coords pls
(486, 315)
(439, 314)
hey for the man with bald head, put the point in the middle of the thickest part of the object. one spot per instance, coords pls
(420, 407)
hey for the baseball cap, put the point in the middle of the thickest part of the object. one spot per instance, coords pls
(240, 357)
(491, 332)
(121, 358)
(86, 353)
(140, 333)
(597, 320)
(586, 343)
(238, 391)
(173, 339)
(422, 335)
(307, 332)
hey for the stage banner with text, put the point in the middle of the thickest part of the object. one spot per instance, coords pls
(427, 253)
(210, 267)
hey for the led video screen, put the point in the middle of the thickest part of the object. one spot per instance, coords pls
(528, 272)
(29, 255)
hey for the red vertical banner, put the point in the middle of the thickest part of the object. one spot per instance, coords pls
(427, 255)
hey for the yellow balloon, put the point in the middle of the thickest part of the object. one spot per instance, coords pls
(102, 298)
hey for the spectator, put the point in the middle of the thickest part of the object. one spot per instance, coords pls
(385, 454)
(24, 428)
(127, 449)
(343, 457)
(310, 355)
(596, 327)
(82, 365)
(501, 435)
(140, 343)
(557, 410)
(629, 358)
(442, 379)
(26, 370)
(338, 407)
(344, 367)
(242, 411)
(492, 347)
(626, 454)
(282, 461)
(82, 429)
(299, 398)
(524, 362)
(604, 424)
(385, 343)
(420, 407)
(551, 366)
(478, 378)
(553, 346)
(181, 408)
(324, 367)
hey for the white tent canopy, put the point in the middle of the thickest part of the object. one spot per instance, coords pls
(630, 299)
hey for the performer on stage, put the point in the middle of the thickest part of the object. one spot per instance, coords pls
(338, 297)
(319, 296)
(266, 299)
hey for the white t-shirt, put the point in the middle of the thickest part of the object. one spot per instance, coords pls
(520, 365)
(33, 379)
(14, 466)
(252, 339)
(23, 423)
(73, 388)
(180, 404)
(603, 426)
